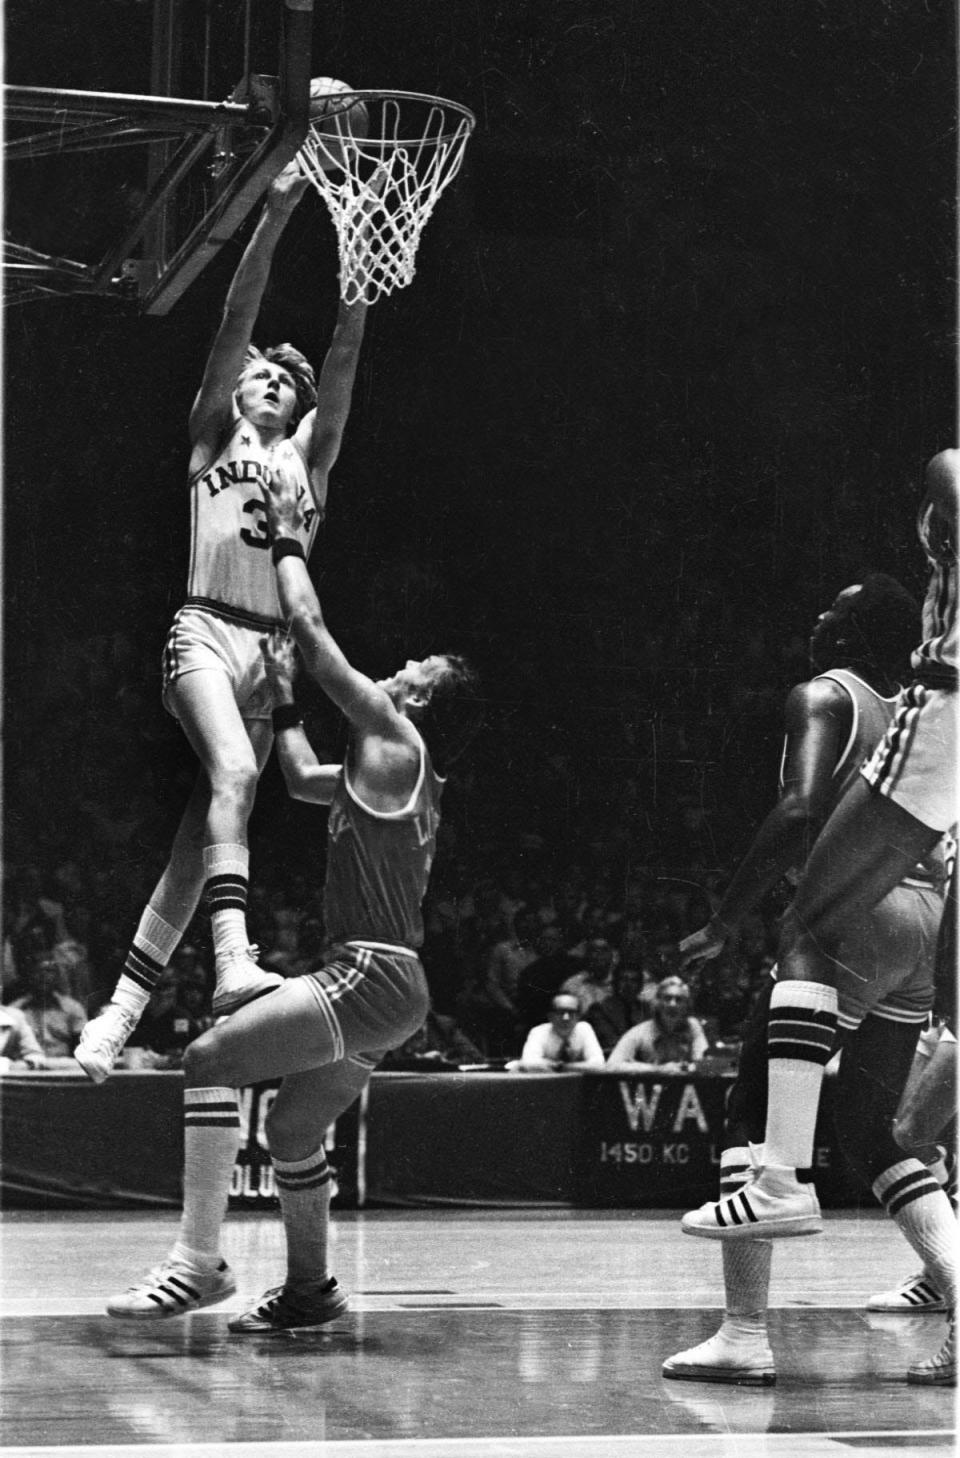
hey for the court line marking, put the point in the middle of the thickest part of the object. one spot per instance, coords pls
(697, 1445)
(694, 1300)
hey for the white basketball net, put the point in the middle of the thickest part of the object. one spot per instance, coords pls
(381, 189)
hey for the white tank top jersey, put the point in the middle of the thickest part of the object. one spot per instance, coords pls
(231, 571)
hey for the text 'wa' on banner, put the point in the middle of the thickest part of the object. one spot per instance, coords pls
(649, 1142)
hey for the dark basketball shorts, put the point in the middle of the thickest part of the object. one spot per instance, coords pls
(372, 996)
(885, 965)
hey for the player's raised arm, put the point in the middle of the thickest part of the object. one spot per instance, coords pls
(305, 777)
(241, 308)
(320, 433)
(366, 705)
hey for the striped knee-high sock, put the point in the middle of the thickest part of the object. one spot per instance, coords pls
(800, 1035)
(945, 1170)
(226, 870)
(912, 1197)
(211, 1138)
(305, 1189)
(154, 943)
(746, 1263)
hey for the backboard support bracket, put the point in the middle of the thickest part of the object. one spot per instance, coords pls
(270, 114)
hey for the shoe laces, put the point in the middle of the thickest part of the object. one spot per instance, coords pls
(118, 1034)
(276, 1302)
(248, 954)
(157, 1275)
(287, 1301)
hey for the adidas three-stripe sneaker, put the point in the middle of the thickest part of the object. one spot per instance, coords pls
(770, 1207)
(293, 1308)
(172, 1289)
(911, 1297)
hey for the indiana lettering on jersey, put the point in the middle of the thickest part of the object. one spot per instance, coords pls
(248, 471)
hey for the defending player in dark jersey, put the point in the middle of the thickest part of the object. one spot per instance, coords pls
(254, 413)
(322, 1033)
(833, 722)
(899, 807)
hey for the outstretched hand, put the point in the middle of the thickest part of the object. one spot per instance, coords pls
(280, 662)
(288, 187)
(702, 945)
(283, 504)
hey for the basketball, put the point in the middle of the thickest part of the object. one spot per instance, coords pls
(334, 118)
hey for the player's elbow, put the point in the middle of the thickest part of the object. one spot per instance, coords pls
(294, 780)
(308, 628)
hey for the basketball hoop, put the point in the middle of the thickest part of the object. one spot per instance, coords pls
(381, 178)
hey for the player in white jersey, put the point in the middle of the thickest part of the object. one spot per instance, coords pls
(900, 806)
(322, 1033)
(254, 412)
(886, 980)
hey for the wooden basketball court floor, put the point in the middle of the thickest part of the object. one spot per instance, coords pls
(508, 1334)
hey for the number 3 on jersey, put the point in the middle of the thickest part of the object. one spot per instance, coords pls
(256, 535)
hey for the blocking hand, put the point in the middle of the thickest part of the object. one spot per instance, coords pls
(702, 945)
(284, 508)
(280, 662)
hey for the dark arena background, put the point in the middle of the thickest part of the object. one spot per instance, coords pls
(681, 338)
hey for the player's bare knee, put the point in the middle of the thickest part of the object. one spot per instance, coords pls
(906, 1134)
(206, 1062)
(294, 1132)
(234, 782)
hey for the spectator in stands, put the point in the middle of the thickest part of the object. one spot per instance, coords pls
(190, 967)
(310, 944)
(595, 982)
(670, 1042)
(55, 1017)
(726, 994)
(194, 999)
(543, 977)
(594, 925)
(166, 1026)
(620, 1010)
(18, 1042)
(506, 961)
(438, 1042)
(561, 1044)
(71, 955)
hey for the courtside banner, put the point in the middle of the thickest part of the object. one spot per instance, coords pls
(253, 1186)
(649, 1141)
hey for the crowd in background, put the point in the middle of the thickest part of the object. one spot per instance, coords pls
(583, 850)
(500, 952)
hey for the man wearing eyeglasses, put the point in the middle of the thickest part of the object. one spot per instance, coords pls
(562, 1043)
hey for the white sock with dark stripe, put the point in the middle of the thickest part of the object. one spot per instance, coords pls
(154, 943)
(305, 1189)
(800, 1034)
(211, 1139)
(746, 1263)
(226, 870)
(912, 1197)
(945, 1170)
